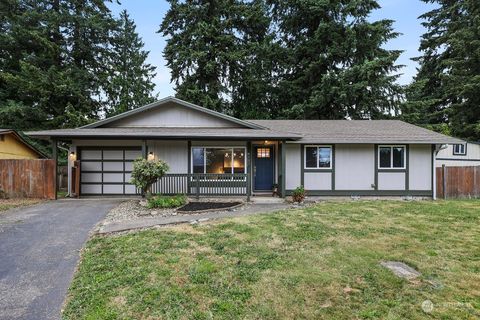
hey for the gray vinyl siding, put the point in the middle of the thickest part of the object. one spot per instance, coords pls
(293, 166)
(420, 167)
(447, 158)
(354, 167)
(172, 115)
(175, 153)
(391, 181)
(317, 180)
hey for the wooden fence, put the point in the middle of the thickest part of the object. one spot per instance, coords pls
(27, 178)
(458, 182)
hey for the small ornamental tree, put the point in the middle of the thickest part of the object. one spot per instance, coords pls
(145, 173)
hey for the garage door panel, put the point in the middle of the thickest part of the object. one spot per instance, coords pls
(132, 154)
(113, 188)
(91, 188)
(112, 154)
(113, 177)
(91, 154)
(128, 176)
(128, 166)
(91, 165)
(113, 166)
(91, 177)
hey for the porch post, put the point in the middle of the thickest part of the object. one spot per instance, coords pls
(282, 169)
(144, 149)
(144, 156)
(249, 170)
(55, 157)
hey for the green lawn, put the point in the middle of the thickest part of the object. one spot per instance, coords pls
(316, 263)
(6, 204)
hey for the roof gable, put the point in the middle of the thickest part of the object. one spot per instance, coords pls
(172, 112)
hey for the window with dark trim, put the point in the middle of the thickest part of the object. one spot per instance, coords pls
(391, 157)
(459, 149)
(318, 157)
(218, 160)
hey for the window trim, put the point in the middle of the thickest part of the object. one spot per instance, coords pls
(218, 147)
(391, 146)
(318, 154)
(460, 153)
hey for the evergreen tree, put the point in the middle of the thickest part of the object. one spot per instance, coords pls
(130, 77)
(335, 64)
(202, 49)
(53, 62)
(444, 94)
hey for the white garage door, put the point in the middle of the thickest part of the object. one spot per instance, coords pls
(107, 171)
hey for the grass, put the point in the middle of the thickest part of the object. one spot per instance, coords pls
(6, 204)
(320, 262)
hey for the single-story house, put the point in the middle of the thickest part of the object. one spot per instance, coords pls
(211, 153)
(463, 154)
(13, 146)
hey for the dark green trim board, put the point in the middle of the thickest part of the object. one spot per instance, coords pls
(375, 163)
(283, 168)
(407, 165)
(422, 193)
(302, 165)
(333, 167)
(144, 149)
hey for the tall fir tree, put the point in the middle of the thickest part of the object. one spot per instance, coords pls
(335, 65)
(53, 61)
(202, 48)
(130, 77)
(444, 94)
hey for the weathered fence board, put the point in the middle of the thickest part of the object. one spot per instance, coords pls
(458, 182)
(25, 178)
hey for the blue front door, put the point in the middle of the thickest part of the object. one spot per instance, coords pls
(263, 168)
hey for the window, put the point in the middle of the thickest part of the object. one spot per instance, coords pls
(459, 149)
(318, 157)
(218, 160)
(391, 157)
(263, 152)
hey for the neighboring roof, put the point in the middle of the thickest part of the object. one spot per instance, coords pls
(357, 131)
(166, 133)
(21, 139)
(166, 100)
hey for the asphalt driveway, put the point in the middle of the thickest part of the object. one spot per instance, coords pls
(39, 250)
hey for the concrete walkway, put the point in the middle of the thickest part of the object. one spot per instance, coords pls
(250, 209)
(39, 251)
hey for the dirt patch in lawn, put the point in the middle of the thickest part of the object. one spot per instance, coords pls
(208, 206)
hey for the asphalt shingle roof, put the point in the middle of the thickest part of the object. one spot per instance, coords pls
(357, 131)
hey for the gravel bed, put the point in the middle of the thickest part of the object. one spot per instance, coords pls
(133, 210)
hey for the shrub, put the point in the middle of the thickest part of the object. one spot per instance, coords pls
(298, 195)
(166, 202)
(145, 173)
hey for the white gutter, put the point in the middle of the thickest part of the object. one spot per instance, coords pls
(438, 147)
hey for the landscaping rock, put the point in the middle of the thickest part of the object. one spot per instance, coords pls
(401, 270)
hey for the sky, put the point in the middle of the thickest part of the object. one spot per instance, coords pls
(148, 15)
